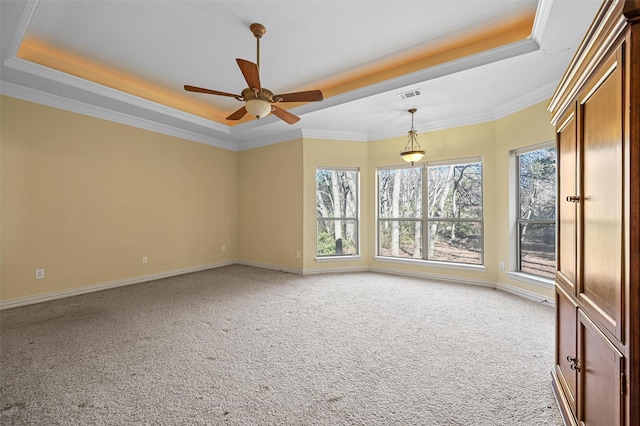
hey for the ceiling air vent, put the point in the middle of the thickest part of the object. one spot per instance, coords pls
(410, 94)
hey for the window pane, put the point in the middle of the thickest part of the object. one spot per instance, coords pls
(400, 238)
(537, 170)
(538, 248)
(336, 193)
(455, 191)
(400, 193)
(455, 242)
(337, 237)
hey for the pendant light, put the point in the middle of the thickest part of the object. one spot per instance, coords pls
(412, 151)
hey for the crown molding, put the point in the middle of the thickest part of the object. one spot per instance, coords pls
(23, 24)
(48, 99)
(56, 76)
(335, 135)
(541, 94)
(543, 13)
(21, 92)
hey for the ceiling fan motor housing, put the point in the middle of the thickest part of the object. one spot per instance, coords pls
(264, 94)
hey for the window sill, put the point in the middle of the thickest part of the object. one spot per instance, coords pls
(447, 265)
(338, 258)
(532, 279)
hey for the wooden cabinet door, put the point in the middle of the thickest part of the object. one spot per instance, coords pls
(567, 201)
(600, 401)
(600, 242)
(566, 345)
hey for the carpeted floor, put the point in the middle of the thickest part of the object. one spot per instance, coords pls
(246, 346)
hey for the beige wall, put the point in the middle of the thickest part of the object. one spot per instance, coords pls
(86, 198)
(270, 205)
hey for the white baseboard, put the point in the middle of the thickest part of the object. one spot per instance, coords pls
(536, 297)
(269, 266)
(22, 301)
(435, 277)
(45, 297)
(472, 281)
(310, 271)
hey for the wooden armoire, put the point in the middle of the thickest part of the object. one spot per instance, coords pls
(596, 112)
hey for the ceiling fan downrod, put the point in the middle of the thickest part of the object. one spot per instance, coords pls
(258, 31)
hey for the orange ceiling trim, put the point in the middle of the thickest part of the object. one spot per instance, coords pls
(40, 52)
(472, 42)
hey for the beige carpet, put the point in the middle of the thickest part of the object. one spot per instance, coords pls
(245, 346)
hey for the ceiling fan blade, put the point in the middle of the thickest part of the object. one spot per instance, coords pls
(209, 91)
(309, 96)
(250, 73)
(238, 114)
(284, 115)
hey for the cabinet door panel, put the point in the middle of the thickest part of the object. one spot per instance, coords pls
(567, 143)
(566, 339)
(601, 197)
(601, 364)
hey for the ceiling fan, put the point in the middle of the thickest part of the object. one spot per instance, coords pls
(258, 100)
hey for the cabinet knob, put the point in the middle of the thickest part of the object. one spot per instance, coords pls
(574, 363)
(573, 198)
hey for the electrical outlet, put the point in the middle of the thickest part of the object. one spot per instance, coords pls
(39, 274)
(144, 259)
(502, 266)
(224, 248)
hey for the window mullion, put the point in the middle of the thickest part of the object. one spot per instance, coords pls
(425, 213)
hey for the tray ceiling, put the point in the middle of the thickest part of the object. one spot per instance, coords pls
(127, 61)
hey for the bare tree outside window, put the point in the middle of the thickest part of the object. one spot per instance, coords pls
(455, 213)
(337, 212)
(400, 212)
(452, 197)
(537, 212)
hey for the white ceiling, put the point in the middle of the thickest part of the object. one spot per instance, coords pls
(172, 43)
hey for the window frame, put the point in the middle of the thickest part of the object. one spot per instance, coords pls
(397, 219)
(517, 153)
(356, 219)
(425, 219)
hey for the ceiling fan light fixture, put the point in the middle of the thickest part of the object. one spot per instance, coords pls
(412, 151)
(259, 101)
(258, 107)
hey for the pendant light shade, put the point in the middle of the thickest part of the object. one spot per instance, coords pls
(412, 151)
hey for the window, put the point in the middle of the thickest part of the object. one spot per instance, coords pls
(536, 211)
(400, 212)
(455, 212)
(337, 211)
(451, 195)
